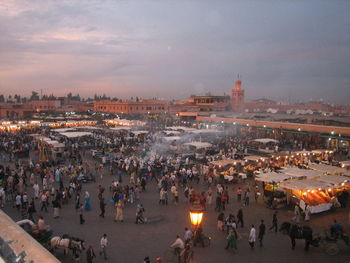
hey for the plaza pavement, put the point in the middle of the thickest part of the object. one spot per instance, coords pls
(130, 243)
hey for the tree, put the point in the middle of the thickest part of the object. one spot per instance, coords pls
(35, 96)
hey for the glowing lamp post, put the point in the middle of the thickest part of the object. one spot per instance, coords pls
(196, 215)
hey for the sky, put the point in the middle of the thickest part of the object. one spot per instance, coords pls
(283, 49)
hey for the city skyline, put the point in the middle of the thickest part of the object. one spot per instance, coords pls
(284, 51)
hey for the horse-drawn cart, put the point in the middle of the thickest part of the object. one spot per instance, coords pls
(330, 244)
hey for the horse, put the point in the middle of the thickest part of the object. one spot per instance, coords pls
(298, 232)
(66, 243)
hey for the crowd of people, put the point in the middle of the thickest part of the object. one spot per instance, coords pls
(32, 187)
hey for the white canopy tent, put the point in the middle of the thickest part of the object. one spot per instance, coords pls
(266, 140)
(272, 177)
(171, 138)
(254, 158)
(75, 134)
(303, 185)
(202, 131)
(199, 145)
(139, 132)
(89, 128)
(118, 128)
(299, 173)
(172, 132)
(64, 129)
(176, 128)
(336, 180)
(324, 168)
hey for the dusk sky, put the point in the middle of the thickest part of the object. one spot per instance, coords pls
(297, 50)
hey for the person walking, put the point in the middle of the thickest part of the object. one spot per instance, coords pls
(36, 189)
(246, 197)
(307, 213)
(274, 222)
(252, 237)
(31, 210)
(232, 240)
(296, 214)
(43, 199)
(239, 194)
(56, 208)
(261, 234)
(103, 243)
(102, 207)
(90, 254)
(240, 217)
(220, 222)
(81, 217)
(77, 201)
(119, 211)
(139, 214)
(87, 202)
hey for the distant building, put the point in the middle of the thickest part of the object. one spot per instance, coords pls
(15, 111)
(132, 107)
(45, 105)
(237, 100)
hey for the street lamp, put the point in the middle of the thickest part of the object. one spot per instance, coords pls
(196, 215)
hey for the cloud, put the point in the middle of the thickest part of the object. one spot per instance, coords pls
(176, 48)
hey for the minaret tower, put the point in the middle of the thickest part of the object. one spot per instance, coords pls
(237, 96)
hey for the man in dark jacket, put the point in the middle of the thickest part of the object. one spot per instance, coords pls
(240, 217)
(90, 254)
(262, 228)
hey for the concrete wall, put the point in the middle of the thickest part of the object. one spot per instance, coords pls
(18, 246)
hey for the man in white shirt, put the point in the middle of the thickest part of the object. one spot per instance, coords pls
(178, 245)
(103, 243)
(252, 237)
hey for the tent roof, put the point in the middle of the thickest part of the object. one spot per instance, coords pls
(272, 177)
(333, 179)
(265, 140)
(199, 145)
(171, 138)
(297, 172)
(300, 185)
(324, 168)
(75, 134)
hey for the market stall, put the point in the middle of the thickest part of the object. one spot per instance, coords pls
(316, 194)
(230, 169)
(264, 145)
(274, 197)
